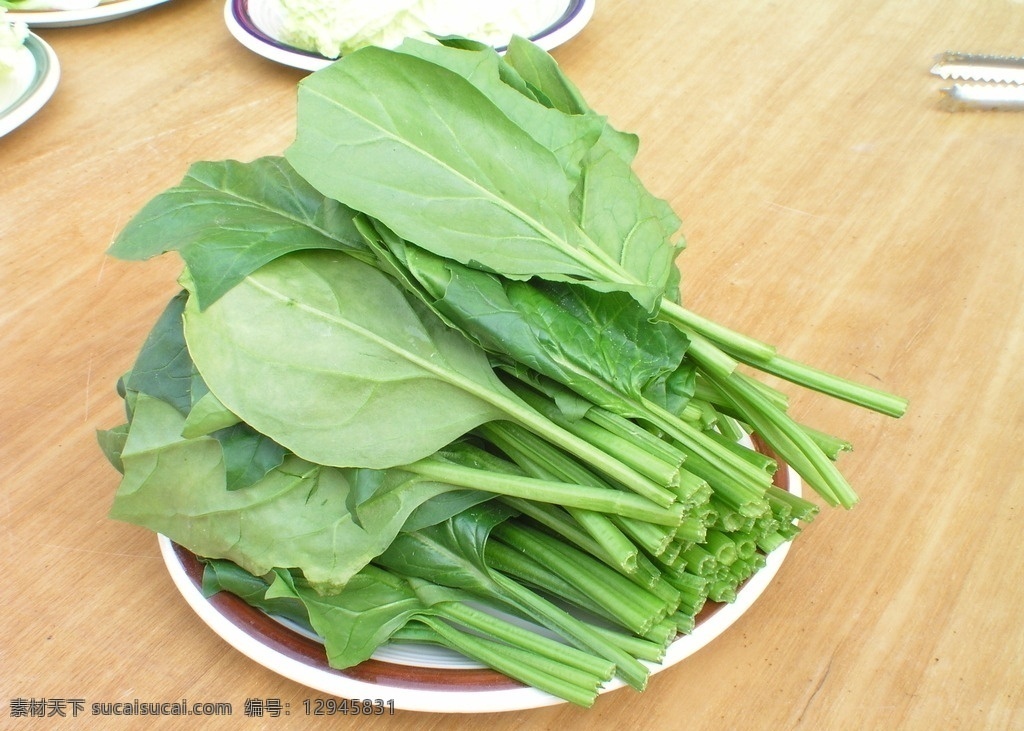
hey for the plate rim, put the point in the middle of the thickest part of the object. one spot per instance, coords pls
(243, 29)
(83, 16)
(511, 697)
(44, 83)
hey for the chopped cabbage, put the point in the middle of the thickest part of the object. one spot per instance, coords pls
(333, 28)
(12, 38)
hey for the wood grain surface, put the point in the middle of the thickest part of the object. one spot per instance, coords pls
(831, 208)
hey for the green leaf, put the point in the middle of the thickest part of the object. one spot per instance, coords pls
(208, 415)
(357, 620)
(567, 136)
(441, 508)
(546, 83)
(163, 368)
(220, 575)
(621, 215)
(295, 517)
(326, 356)
(421, 149)
(538, 69)
(112, 443)
(228, 218)
(248, 455)
(601, 345)
(450, 553)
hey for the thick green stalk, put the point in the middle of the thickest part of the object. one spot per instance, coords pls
(653, 539)
(692, 590)
(627, 451)
(693, 491)
(722, 547)
(518, 665)
(630, 431)
(617, 502)
(516, 563)
(541, 460)
(537, 644)
(702, 449)
(560, 521)
(690, 322)
(823, 382)
(685, 622)
(797, 507)
(699, 561)
(742, 495)
(631, 670)
(639, 647)
(530, 572)
(791, 442)
(765, 358)
(633, 606)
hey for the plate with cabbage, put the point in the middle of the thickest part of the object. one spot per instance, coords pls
(29, 72)
(67, 13)
(311, 34)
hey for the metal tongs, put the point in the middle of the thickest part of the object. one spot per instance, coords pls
(987, 82)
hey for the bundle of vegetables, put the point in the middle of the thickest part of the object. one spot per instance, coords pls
(434, 357)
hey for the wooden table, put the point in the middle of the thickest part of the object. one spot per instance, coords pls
(831, 208)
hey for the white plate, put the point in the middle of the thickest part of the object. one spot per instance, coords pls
(85, 16)
(254, 25)
(411, 677)
(30, 85)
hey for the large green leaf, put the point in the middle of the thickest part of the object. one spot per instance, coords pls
(220, 575)
(602, 345)
(357, 620)
(163, 368)
(620, 214)
(377, 604)
(543, 76)
(421, 149)
(567, 136)
(613, 207)
(228, 218)
(295, 517)
(453, 554)
(450, 553)
(326, 356)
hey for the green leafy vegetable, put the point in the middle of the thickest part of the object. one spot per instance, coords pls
(227, 219)
(461, 179)
(376, 605)
(601, 344)
(325, 355)
(295, 517)
(435, 359)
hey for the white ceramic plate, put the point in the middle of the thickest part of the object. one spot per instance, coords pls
(30, 85)
(253, 24)
(411, 677)
(101, 13)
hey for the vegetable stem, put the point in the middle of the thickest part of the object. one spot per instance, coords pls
(520, 665)
(765, 358)
(633, 606)
(631, 670)
(527, 639)
(590, 498)
(690, 321)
